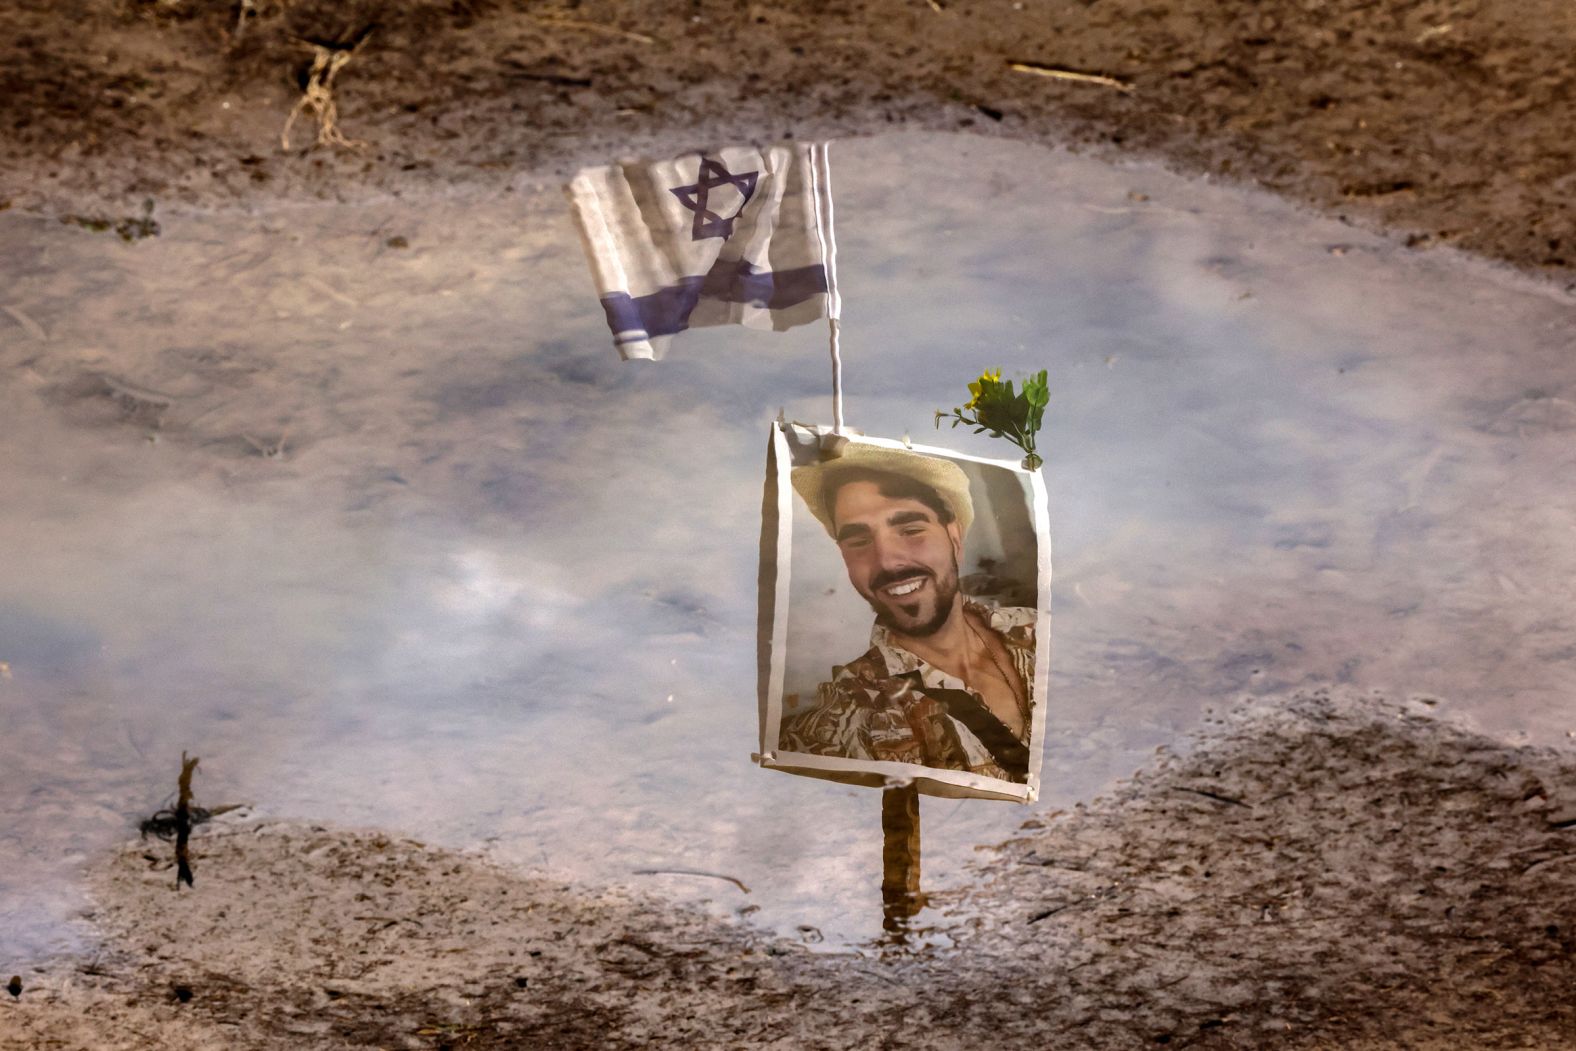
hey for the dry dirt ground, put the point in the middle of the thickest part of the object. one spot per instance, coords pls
(1316, 871)
(1442, 120)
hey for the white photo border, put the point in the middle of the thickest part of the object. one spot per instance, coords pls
(777, 514)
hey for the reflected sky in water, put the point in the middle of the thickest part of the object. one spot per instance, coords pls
(498, 590)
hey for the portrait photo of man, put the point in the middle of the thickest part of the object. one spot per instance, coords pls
(943, 675)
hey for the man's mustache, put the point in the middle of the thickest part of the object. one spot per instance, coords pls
(888, 577)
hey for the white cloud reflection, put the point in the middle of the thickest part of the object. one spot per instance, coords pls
(459, 603)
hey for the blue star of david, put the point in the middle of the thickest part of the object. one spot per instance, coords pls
(694, 197)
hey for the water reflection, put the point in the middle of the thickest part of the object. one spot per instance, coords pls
(498, 590)
(901, 853)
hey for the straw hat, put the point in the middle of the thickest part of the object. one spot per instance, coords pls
(944, 476)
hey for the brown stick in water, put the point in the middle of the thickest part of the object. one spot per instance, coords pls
(183, 823)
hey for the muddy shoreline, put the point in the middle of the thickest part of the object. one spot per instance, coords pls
(1442, 124)
(1326, 869)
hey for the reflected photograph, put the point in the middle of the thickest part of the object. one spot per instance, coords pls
(915, 612)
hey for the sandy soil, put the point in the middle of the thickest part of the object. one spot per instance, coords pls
(1444, 120)
(1317, 871)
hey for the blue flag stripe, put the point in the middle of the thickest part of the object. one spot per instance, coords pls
(667, 311)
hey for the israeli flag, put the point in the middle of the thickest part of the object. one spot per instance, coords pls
(738, 235)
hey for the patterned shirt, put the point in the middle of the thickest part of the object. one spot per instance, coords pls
(891, 705)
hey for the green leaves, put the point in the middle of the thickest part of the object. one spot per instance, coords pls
(995, 407)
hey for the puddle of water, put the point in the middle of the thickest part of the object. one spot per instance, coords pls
(498, 588)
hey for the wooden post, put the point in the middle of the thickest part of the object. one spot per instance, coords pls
(900, 894)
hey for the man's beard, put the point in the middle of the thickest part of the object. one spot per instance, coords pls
(946, 591)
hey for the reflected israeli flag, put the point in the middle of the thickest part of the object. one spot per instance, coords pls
(738, 235)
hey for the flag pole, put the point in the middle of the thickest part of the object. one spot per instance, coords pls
(825, 228)
(900, 894)
(837, 378)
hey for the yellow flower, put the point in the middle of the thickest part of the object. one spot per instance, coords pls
(987, 378)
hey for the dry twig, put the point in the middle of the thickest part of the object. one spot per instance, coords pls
(318, 97)
(183, 822)
(1056, 73)
(693, 872)
(242, 9)
(31, 327)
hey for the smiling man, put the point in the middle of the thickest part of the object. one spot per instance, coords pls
(947, 681)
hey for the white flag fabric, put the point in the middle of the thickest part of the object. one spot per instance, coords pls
(738, 235)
